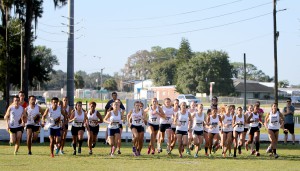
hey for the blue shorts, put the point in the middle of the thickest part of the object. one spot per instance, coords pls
(54, 132)
(112, 132)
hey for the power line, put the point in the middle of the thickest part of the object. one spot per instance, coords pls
(201, 29)
(248, 40)
(198, 20)
(172, 15)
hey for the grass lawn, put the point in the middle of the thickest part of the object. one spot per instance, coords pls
(100, 160)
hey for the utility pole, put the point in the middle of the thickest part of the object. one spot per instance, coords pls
(22, 62)
(7, 78)
(245, 84)
(70, 59)
(276, 34)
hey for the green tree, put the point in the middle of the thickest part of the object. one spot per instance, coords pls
(164, 73)
(252, 73)
(211, 66)
(79, 82)
(283, 84)
(28, 11)
(110, 84)
(184, 52)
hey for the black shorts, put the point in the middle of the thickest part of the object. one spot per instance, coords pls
(75, 130)
(54, 132)
(112, 132)
(181, 132)
(120, 126)
(15, 130)
(198, 133)
(139, 128)
(253, 130)
(94, 129)
(274, 130)
(227, 132)
(33, 128)
(164, 127)
(155, 127)
(245, 129)
(239, 133)
(66, 126)
(174, 130)
(290, 128)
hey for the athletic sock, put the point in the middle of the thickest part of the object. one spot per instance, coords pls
(74, 146)
(257, 146)
(80, 143)
(274, 151)
(205, 148)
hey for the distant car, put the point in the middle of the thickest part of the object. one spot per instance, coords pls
(296, 101)
(187, 98)
(40, 100)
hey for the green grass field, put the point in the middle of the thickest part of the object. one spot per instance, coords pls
(100, 160)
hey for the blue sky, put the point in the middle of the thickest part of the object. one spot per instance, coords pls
(114, 30)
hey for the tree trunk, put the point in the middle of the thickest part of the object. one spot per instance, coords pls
(27, 47)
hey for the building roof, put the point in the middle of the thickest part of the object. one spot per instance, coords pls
(251, 87)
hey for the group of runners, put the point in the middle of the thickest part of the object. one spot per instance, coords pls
(190, 128)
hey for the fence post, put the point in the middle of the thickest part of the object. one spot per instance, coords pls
(42, 135)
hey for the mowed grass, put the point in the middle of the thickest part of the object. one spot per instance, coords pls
(100, 160)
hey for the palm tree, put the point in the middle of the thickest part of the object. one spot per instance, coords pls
(28, 11)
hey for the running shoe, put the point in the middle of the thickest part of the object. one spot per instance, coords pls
(138, 152)
(61, 152)
(149, 149)
(15, 153)
(134, 151)
(57, 151)
(224, 155)
(180, 155)
(253, 152)
(29, 153)
(160, 149)
(257, 154)
(276, 156)
(214, 149)
(206, 154)
(153, 152)
(119, 152)
(269, 149)
(79, 150)
(234, 155)
(90, 153)
(74, 152)
(113, 149)
(196, 155)
(188, 151)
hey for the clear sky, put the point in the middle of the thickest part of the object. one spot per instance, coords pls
(116, 29)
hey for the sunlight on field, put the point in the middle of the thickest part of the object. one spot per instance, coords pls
(100, 160)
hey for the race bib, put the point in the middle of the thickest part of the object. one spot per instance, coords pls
(78, 124)
(93, 122)
(154, 120)
(182, 123)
